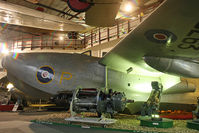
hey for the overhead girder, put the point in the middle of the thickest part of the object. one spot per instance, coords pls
(54, 9)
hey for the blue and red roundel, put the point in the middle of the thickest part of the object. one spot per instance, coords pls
(160, 36)
(45, 74)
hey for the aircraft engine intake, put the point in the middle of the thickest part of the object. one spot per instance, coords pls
(174, 66)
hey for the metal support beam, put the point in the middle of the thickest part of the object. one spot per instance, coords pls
(54, 9)
(41, 41)
(74, 16)
(99, 36)
(13, 45)
(118, 30)
(84, 40)
(108, 34)
(91, 38)
(106, 77)
(22, 43)
(31, 43)
(129, 26)
(52, 41)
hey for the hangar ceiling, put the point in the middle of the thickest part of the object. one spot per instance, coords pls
(61, 9)
(54, 7)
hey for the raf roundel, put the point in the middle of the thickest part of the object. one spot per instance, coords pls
(160, 36)
(45, 74)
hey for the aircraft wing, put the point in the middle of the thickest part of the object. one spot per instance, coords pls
(170, 32)
(23, 16)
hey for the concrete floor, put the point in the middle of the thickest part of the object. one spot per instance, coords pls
(20, 123)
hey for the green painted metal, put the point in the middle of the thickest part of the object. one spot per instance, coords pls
(193, 125)
(97, 128)
(165, 123)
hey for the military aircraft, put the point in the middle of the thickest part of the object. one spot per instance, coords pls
(162, 48)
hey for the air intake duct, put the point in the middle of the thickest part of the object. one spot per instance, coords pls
(179, 67)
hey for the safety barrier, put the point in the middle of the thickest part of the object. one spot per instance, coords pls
(84, 40)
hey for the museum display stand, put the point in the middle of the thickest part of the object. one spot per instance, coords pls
(156, 122)
(193, 124)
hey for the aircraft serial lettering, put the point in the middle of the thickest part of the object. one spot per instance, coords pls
(191, 41)
(66, 76)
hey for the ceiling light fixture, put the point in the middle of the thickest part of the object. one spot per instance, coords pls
(61, 38)
(128, 7)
